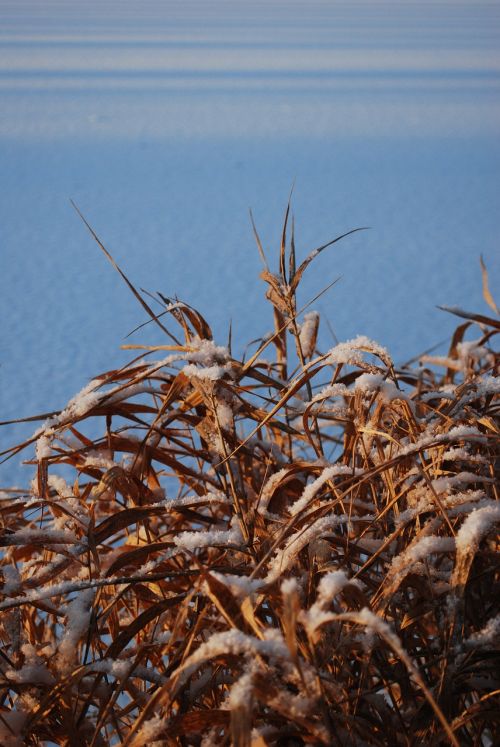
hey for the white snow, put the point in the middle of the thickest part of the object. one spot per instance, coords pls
(289, 586)
(33, 670)
(369, 383)
(419, 550)
(457, 433)
(331, 584)
(43, 536)
(285, 556)
(237, 643)
(487, 637)
(311, 490)
(241, 586)
(307, 333)
(78, 613)
(350, 352)
(462, 453)
(241, 692)
(210, 538)
(333, 390)
(211, 373)
(476, 526)
(150, 729)
(447, 483)
(12, 579)
(269, 487)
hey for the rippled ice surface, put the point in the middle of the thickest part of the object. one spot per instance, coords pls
(166, 121)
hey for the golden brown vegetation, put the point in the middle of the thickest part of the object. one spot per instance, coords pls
(287, 549)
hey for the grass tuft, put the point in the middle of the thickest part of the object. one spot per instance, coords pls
(299, 547)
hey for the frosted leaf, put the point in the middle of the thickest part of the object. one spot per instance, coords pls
(379, 626)
(313, 488)
(43, 449)
(475, 527)
(269, 488)
(240, 695)
(333, 390)
(78, 614)
(369, 383)
(461, 453)
(488, 385)
(443, 361)
(45, 536)
(33, 670)
(442, 393)
(215, 537)
(211, 373)
(225, 414)
(240, 586)
(330, 585)
(121, 669)
(350, 352)
(469, 506)
(60, 485)
(472, 350)
(100, 461)
(12, 579)
(285, 556)
(207, 352)
(213, 360)
(446, 484)
(213, 496)
(456, 433)
(150, 729)
(236, 643)
(421, 549)
(456, 503)
(82, 402)
(307, 333)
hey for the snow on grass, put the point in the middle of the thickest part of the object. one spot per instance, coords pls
(488, 637)
(78, 614)
(350, 352)
(212, 538)
(286, 555)
(307, 333)
(313, 488)
(329, 587)
(476, 526)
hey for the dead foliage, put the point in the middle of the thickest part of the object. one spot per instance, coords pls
(289, 548)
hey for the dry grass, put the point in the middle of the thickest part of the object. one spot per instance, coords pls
(296, 548)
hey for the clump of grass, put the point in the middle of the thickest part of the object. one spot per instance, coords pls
(290, 548)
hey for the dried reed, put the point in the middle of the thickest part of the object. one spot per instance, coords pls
(296, 548)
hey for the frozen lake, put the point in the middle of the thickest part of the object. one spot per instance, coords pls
(166, 121)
